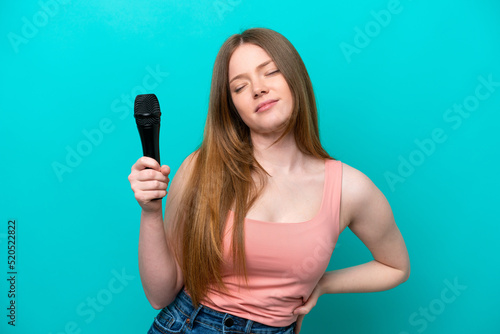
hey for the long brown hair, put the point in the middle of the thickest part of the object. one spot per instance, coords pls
(222, 172)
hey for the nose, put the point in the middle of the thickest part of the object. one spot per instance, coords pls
(260, 89)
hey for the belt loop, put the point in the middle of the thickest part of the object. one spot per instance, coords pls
(193, 315)
(248, 327)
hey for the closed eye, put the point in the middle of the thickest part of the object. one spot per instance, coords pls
(268, 74)
(273, 72)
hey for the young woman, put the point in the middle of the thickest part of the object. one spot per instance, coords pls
(253, 215)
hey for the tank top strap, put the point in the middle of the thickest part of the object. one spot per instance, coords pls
(333, 189)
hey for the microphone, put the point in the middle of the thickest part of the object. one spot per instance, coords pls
(147, 116)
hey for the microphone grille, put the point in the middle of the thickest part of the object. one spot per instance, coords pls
(147, 109)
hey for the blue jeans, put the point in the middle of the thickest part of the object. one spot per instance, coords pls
(181, 317)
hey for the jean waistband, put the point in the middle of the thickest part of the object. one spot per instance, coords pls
(218, 319)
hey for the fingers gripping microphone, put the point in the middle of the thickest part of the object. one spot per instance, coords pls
(147, 116)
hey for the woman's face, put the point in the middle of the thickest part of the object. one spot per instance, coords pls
(259, 91)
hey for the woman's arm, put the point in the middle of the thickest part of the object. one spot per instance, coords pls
(157, 266)
(370, 218)
(160, 273)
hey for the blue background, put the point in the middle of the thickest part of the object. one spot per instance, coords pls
(69, 70)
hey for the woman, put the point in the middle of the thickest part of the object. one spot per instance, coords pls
(253, 215)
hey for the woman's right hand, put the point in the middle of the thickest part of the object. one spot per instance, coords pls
(149, 181)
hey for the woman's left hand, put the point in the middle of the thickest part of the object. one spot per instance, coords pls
(307, 307)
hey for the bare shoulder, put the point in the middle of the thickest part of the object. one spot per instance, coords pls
(359, 195)
(370, 218)
(355, 181)
(187, 165)
(178, 185)
(182, 175)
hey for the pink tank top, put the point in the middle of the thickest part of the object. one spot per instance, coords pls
(284, 261)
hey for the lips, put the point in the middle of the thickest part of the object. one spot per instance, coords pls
(265, 105)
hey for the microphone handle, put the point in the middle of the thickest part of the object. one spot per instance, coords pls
(150, 138)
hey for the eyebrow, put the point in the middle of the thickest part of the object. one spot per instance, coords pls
(258, 67)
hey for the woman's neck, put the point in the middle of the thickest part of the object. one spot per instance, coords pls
(282, 157)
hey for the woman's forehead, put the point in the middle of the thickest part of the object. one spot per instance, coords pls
(246, 58)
